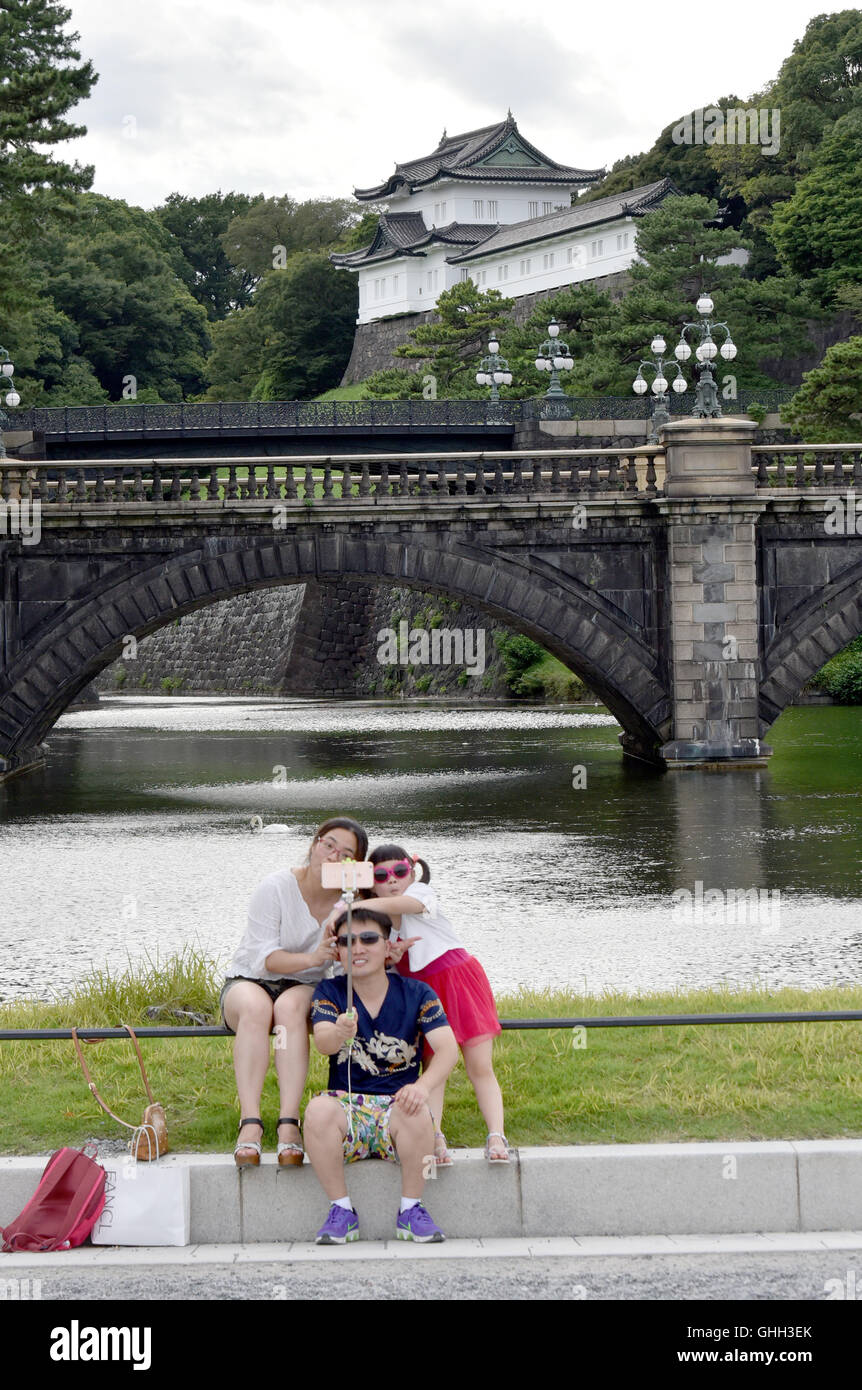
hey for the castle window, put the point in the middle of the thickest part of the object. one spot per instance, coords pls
(502, 272)
(547, 207)
(525, 266)
(623, 241)
(463, 272)
(492, 208)
(394, 284)
(479, 208)
(548, 261)
(533, 209)
(596, 248)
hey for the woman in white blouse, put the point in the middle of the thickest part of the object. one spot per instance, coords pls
(271, 979)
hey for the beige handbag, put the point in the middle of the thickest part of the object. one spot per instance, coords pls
(149, 1138)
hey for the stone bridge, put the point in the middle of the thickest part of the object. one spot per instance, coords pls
(695, 586)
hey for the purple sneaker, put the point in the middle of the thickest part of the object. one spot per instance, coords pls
(416, 1224)
(339, 1227)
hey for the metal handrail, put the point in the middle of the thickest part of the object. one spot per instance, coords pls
(509, 1024)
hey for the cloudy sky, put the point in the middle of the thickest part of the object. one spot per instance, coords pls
(314, 97)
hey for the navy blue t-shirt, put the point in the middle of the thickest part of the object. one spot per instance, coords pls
(387, 1050)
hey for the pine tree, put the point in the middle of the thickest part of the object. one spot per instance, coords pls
(41, 79)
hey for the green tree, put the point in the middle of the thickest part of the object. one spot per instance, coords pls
(111, 273)
(451, 346)
(294, 340)
(309, 313)
(272, 230)
(199, 225)
(827, 408)
(817, 232)
(41, 79)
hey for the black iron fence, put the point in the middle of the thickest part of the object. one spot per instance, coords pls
(231, 418)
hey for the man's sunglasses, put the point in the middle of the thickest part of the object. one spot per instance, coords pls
(399, 870)
(367, 938)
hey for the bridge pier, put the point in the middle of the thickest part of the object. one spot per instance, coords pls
(712, 508)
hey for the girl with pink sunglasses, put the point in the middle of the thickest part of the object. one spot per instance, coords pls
(424, 945)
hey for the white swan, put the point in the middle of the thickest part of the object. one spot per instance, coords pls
(258, 827)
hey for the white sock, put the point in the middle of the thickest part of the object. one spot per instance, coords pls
(408, 1202)
(343, 1202)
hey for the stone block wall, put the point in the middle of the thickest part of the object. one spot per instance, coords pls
(314, 640)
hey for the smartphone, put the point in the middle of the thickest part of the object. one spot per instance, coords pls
(348, 876)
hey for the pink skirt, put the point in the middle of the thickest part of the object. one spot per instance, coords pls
(463, 989)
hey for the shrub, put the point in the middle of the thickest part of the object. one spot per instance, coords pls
(519, 653)
(842, 676)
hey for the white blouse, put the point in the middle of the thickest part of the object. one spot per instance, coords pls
(279, 919)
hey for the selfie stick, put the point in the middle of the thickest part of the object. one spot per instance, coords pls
(348, 893)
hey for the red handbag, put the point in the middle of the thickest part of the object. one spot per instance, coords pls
(65, 1206)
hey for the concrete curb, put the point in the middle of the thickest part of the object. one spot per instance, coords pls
(591, 1190)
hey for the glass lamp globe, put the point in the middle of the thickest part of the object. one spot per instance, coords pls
(499, 378)
(493, 347)
(728, 351)
(7, 369)
(553, 329)
(682, 352)
(507, 378)
(568, 363)
(480, 379)
(657, 346)
(540, 364)
(680, 384)
(704, 305)
(13, 398)
(659, 386)
(639, 385)
(559, 364)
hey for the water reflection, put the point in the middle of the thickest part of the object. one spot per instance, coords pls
(135, 839)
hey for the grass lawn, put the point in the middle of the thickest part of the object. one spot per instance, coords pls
(627, 1085)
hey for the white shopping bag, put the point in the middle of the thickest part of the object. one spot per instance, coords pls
(145, 1204)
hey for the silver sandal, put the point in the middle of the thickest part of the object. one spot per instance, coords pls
(496, 1157)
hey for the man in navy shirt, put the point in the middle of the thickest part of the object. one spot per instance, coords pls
(377, 1102)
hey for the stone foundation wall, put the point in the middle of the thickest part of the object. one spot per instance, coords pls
(309, 640)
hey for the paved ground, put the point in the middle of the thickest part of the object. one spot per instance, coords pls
(771, 1267)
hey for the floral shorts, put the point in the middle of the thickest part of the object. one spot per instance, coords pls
(368, 1123)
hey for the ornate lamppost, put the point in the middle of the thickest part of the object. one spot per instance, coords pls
(657, 363)
(494, 370)
(706, 395)
(554, 357)
(12, 398)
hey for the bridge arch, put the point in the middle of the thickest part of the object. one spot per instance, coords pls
(67, 650)
(814, 631)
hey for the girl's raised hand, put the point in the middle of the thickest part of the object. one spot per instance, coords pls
(397, 948)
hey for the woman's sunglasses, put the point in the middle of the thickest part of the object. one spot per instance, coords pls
(400, 870)
(367, 938)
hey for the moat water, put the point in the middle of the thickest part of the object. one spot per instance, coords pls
(561, 865)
